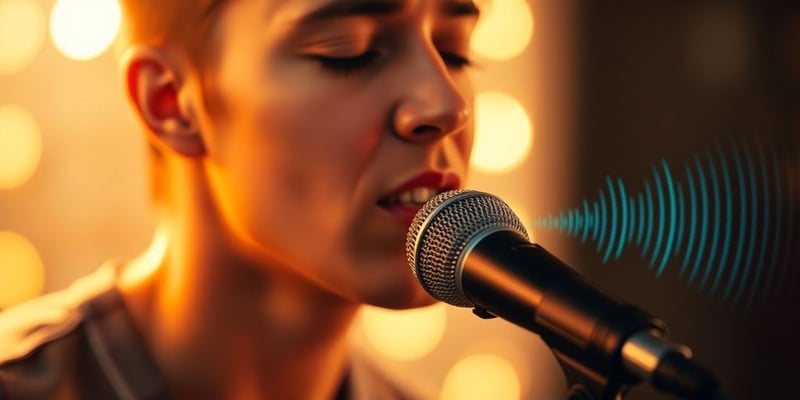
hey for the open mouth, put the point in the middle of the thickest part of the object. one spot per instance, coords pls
(404, 201)
(411, 198)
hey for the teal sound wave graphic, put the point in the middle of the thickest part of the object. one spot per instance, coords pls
(723, 219)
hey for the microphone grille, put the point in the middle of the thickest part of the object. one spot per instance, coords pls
(441, 231)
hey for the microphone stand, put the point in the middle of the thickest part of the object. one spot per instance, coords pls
(585, 384)
(678, 376)
(596, 378)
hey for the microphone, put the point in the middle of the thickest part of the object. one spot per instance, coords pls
(469, 249)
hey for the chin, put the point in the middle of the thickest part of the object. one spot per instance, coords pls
(401, 303)
(386, 280)
(398, 294)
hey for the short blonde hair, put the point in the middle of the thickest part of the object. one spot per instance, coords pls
(182, 24)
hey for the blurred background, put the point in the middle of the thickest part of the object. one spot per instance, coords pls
(653, 145)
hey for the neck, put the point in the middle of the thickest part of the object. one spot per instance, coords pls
(222, 325)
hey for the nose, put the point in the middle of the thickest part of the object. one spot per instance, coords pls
(431, 104)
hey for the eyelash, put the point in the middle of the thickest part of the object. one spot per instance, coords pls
(456, 61)
(348, 65)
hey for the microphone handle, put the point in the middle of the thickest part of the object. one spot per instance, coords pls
(681, 376)
(521, 282)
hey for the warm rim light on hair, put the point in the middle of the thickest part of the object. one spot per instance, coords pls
(504, 30)
(21, 270)
(404, 335)
(21, 34)
(481, 376)
(20, 146)
(84, 29)
(503, 133)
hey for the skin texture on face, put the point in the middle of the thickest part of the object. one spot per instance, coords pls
(308, 122)
(280, 155)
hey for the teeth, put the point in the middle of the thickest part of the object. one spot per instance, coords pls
(421, 195)
(418, 196)
(405, 197)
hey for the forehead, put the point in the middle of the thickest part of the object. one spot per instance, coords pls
(301, 11)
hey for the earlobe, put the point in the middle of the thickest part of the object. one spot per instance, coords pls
(155, 84)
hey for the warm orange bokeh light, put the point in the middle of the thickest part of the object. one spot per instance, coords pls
(21, 270)
(504, 30)
(481, 376)
(22, 32)
(20, 146)
(404, 335)
(503, 132)
(84, 29)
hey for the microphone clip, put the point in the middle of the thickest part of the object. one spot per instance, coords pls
(483, 313)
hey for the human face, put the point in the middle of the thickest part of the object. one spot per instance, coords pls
(321, 112)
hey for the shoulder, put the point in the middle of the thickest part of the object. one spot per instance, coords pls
(29, 325)
(41, 340)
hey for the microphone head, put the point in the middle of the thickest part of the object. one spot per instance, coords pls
(444, 229)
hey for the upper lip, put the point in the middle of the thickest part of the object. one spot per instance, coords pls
(442, 181)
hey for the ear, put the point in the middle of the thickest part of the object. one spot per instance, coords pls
(157, 86)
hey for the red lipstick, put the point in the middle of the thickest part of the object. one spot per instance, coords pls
(397, 203)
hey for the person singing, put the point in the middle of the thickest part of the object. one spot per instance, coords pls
(290, 142)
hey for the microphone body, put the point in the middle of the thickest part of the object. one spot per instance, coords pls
(521, 282)
(469, 249)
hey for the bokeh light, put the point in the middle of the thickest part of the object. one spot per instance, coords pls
(504, 29)
(84, 29)
(503, 133)
(20, 146)
(21, 34)
(481, 376)
(404, 335)
(21, 270)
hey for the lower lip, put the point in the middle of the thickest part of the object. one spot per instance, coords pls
(403, 214)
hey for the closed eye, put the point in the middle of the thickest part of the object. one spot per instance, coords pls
(454, 60)
(347, 65)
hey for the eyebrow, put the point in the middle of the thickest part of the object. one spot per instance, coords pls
(381, 8)
(461, 9)
(337, 9)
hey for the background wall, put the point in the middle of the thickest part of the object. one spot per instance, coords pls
(675, 80)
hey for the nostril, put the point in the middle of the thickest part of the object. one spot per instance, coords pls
(422, 119)
(425, 129)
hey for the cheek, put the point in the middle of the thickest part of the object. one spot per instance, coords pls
(288, 166)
